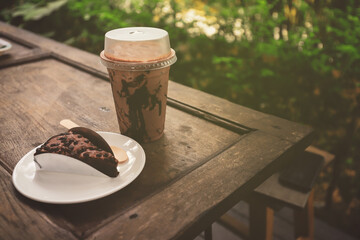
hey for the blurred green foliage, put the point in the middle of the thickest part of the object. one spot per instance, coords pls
(297, 59)
(33, 11)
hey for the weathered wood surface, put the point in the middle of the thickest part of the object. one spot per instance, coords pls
(261, 220)
(275, 193)
(52, 91)
(328, 157)
(283, 226)
(213, 152)
(20, 53)
(82, 58)
(304, 220)
(179, 93)
(18, 220)
(179, 209)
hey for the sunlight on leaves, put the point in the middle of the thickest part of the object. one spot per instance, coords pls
(31, 11)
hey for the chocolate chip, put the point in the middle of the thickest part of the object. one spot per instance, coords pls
(86, 154)
(106, 155)
(79, 136)
(98, 155)
(76, 142)
(54, 145)
(87, 141)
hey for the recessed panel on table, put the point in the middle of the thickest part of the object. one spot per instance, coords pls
(36, 96)
(20, 51)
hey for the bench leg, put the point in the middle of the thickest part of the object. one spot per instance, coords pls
(236, 226)
(261, 220)
(208, 233)
(304, 220)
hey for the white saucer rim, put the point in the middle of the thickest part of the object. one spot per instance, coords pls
(86, 199)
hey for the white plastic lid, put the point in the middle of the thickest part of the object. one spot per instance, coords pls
(137, 44)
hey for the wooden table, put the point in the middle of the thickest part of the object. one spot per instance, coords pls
(212, 155)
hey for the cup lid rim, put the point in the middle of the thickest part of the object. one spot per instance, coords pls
(138, 66)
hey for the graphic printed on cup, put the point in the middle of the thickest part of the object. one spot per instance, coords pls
(138, 61)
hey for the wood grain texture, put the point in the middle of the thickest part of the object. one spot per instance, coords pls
(20, 221)
(86, 59)
(20, 53)
(328, 157)
(261, 221)
(234, 225)
(28, 56)
(194, 174)
(180, 93)
(17, 49)
(276, 126)
(36, 96)
(274, 193)
(304, 220)
(197, 195)
(52, 91)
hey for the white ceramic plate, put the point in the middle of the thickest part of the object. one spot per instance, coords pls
(66, 188)
(4, 46)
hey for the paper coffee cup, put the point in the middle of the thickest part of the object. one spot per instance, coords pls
(138, 60)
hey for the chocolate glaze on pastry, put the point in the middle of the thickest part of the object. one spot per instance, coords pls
(77, 146)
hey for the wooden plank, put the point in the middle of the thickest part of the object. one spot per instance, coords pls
(304, 220)
(233, 224)
(252, 119)
(20, 53)
(328, 157)
(36, 96)
(29, 56)
(274, 193)
(18, 40)
(218, 120)
(213, 104)
(187, 206)
(18, 220)
(281, 128)
(284, 224)
(261, 220)
(50, 92)
(71, 53)
(208, 233)
(191, 97)
(16, 49)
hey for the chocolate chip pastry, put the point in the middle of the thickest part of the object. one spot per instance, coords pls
(77, 146)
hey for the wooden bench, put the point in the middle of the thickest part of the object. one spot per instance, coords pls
(272, 195)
